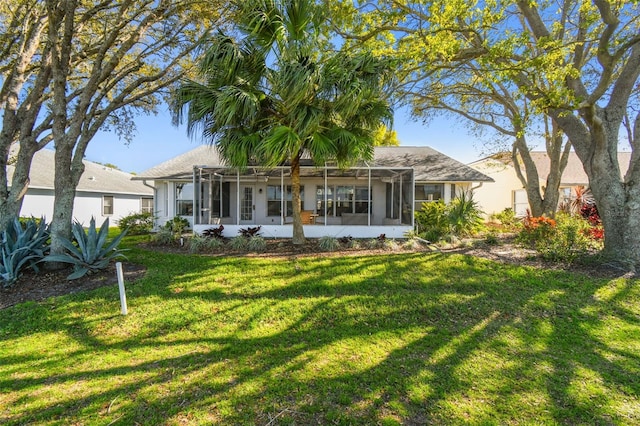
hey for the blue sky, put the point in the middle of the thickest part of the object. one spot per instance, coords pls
(157, 140)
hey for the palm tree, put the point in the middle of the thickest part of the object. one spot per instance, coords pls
(274, 93)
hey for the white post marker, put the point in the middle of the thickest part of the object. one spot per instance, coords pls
(123, 296)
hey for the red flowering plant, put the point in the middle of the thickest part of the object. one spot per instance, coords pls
(536, 229)
(589, 212)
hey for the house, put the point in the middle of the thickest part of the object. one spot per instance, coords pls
(508, 192)
(102, 192)
(363, 201)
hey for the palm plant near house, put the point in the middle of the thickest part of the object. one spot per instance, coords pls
(275, 94)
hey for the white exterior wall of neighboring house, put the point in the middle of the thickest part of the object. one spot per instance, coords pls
(39, 203)
(99, 185)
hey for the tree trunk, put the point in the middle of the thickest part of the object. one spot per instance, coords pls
(543, 203)
(65, 183)
(298, 230)
(617, 199)
(12, 197)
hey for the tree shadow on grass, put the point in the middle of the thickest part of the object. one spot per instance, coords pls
(409, 338)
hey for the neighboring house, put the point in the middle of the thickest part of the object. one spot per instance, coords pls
(363, 201)
(102, 192)
(508, 192)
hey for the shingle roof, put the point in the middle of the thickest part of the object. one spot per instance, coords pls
(429, 164)
(573, 174)
(182, 165)
(96, 177)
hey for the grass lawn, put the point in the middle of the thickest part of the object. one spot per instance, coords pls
(389, 339)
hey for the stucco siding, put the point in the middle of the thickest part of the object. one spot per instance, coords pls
(494, 197)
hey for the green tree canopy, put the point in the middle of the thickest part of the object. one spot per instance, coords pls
(71, 67)
(576, 61)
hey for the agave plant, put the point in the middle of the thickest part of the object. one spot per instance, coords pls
(92, 252)
(20, 245)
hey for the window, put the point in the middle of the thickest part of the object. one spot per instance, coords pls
(361, 204)
(343, 199)
(219, 194)
(320, 199)
(274, 200)
(184, 199)
(146, 205)
(107, 205)
(428, 192)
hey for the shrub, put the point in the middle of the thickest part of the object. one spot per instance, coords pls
(536, 230)
(354, 244)
(256, 243)
(373, 243)
(436, 221)
(412, 244)
(250, 231)
(507, 218)
(214, 232)
(464, 216)
(22, 244)
(201, 244)
(590, 213)
(91, 251)
(491, 238)
(569, 240)
(431, 220)
(197, 244)
(164, 236)
(239, 243)
(137, 223)
(328, 243)
(389, 244)
(346, 241)
(25, 220)
(177, 225)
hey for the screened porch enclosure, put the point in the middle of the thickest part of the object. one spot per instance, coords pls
(359, 201)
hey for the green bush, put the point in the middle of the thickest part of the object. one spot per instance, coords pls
(164, 237)
(507, 218)
(389, 244)
(256, 243)
(239, 243)
(536, 230)
(436, 221)
(90, 252)
(23, 243)
(177, 225)
(25, 220)
(197, 244)
(569, 240)
(491, 238)
(431, 221)
(328, 243)
(464, 216)
(137, 223)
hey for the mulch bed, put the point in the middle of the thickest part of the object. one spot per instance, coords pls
(36, 287)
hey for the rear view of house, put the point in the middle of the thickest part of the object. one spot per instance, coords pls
(366, 200)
